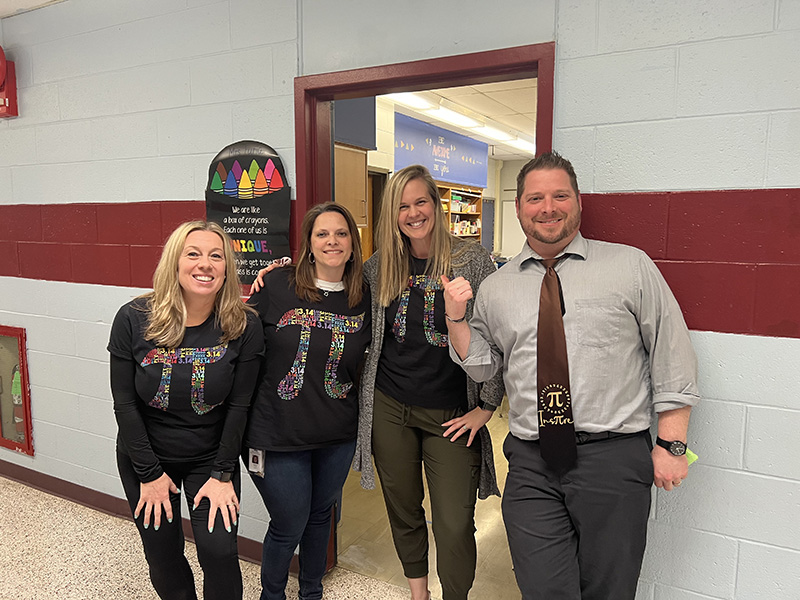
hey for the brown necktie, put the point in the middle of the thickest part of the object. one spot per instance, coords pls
(556, 426)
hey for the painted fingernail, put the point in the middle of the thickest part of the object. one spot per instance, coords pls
(211, 529)
(146, 525)
(228, 528)
(135, 515)
(155, 527)
(169, 520)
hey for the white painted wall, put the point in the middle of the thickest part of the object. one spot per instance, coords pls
(130, 101)
(679, 95)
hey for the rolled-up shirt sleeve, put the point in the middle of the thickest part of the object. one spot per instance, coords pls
(483, 358)
(673, 363)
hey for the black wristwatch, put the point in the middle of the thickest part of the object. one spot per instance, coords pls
(223, 476)
(486, 406)
(676, 448)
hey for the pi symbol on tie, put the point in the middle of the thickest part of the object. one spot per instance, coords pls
(555, 397)
(339, 325)
(198, 358)
(429, 285)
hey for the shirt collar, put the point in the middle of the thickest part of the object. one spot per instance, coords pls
(578, 247)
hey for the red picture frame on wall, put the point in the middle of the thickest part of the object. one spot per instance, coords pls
(16, 428)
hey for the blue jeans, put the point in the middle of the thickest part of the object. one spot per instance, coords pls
(299, 489)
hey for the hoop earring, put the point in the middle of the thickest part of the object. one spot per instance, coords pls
(311, 258)
(352, 257)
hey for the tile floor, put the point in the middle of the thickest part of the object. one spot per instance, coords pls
(54, 549)
(365, 541)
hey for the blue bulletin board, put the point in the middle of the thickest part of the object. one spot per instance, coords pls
(449, 156)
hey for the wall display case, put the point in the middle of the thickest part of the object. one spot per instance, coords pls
(463, 206)
(15, 397)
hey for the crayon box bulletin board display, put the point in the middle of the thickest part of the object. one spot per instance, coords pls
(248, 196)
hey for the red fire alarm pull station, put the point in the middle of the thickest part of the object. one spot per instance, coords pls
(8, 87)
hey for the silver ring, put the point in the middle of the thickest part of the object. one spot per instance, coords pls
(464, 428)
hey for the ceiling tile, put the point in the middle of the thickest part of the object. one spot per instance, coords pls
(484, 105)
(521, 101)
(507, 85)
(519, 122)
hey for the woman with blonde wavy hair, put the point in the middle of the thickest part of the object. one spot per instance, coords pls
(417, 406)
(184, 361)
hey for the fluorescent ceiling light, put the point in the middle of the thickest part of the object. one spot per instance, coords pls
(452, 117)
(495, 134)
(411, 100)
(523, 145)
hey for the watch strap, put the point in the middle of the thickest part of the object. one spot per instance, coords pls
(223, 476)
(486, 406)
(672, 446)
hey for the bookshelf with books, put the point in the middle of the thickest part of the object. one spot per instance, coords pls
(462, 206)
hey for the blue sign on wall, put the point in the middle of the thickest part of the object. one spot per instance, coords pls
(449, 156)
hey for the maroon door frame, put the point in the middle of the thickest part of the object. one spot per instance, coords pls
(313, 93)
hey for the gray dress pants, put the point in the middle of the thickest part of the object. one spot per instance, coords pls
(579, 535)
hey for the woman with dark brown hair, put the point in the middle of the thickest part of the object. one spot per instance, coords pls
(301, 434)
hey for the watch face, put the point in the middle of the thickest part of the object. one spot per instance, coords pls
(677, 448)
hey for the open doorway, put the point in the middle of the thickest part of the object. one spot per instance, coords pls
(313, 96)
(314, 93)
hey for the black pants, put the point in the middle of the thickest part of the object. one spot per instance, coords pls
(580, 535)
(217, 552)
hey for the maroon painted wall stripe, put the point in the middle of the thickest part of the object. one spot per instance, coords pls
(731, 257)
(110, 244)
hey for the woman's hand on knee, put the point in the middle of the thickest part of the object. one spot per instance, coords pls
(222, 496)
(153, 496)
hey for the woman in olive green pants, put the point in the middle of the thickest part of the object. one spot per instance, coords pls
(417, 407)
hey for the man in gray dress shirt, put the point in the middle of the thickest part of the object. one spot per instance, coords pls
(580, 534)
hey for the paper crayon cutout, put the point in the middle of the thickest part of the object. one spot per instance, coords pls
(246, 185)
(231, 185)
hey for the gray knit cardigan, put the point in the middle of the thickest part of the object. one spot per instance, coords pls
(471, 261)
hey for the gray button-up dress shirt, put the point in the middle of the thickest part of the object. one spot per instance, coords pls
(628, 346)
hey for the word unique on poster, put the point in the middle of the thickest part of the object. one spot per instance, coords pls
(248, 196)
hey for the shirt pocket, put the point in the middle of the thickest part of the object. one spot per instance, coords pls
(598, 322)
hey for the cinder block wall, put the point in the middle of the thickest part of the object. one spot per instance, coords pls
(128, 102)
(682, 95)
(120, 103)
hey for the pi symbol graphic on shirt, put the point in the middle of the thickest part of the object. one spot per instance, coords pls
(339, 325)
(198, 358)
(430, 285)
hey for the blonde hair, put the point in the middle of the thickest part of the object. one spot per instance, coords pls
(304, 276)
(166, 321)
(394, 247)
